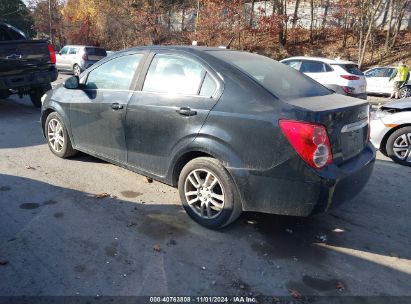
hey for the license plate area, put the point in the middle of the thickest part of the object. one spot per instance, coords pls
(354, 138)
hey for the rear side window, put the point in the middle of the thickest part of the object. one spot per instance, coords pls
(293, 64)
(115, 74)
(351, 68)
(389, 72)
(208, 88)
(96, 52)
(173, 74)
(73, 51)
(312, 67)
(279, 79)
(7, 34)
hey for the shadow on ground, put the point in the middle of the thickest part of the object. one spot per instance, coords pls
(60, 241)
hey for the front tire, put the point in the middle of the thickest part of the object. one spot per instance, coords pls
(57, 136)
(208, 193)
(399, 146)
(76, 70)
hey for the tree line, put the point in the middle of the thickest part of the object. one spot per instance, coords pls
(275, 27)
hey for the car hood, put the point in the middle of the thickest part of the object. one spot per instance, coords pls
(403, 104)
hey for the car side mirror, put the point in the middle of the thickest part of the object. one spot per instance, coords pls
(72, 83)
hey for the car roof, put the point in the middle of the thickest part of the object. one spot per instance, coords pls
(83, 46)
(187, 48)
(323, 59)
(382, 66)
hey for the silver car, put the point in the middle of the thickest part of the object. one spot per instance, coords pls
(77, 58)
(379, 82)
(391, 130)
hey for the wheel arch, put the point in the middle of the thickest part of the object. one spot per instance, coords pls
(44, 116)
(388, 134)
(183, 159)
(55, 107)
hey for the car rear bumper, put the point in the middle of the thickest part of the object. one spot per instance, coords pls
(293, 188)
(28, 80)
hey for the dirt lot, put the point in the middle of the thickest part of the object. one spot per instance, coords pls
(57, 239)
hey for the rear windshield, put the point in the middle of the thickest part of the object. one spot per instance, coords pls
(7, 34)
(96, 51)
(351, 68)
(279, 79)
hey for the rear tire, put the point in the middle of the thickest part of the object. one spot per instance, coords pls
(76, 70)
(35, 97)
(398, 146)
(208, 193)
(405, 92)
(57, 136)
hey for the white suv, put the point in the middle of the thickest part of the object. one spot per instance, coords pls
(343, 77)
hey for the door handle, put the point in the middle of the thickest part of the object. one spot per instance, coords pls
(116, 106)
(186, 111)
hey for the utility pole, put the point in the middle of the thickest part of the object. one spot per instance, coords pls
(51, 35)
(198, 15)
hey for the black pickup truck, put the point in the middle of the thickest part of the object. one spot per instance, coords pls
(27, 67)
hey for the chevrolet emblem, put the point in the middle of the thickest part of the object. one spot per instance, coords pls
(13, 57)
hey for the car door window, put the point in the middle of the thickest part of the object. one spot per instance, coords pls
(64, 50)
(295, 64)
(73, 51)
(115, 74)
(388, 72)
(312, 67)
(173, 74)
(209, 86)
(379, 72)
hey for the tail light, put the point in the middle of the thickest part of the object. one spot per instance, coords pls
(350, 77)
(309, 140)
(52, 53)
(348, 90)
(84, 56)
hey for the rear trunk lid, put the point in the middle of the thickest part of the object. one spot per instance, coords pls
(21, 56)
(345, 118)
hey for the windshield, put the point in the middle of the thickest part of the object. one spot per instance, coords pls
(281, 80)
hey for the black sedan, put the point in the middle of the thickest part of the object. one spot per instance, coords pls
(234, 131)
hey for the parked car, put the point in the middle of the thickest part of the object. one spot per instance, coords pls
(27, 67)
(234, 131)
(343, 77)
(378, 82)
(77, 58)
(391, 130)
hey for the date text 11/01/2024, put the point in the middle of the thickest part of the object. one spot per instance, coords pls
(237, 299)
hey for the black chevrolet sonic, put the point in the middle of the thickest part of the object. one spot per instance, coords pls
(234, 131)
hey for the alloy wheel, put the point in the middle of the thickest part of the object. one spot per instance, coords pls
(55, 135)
(204, 193)
(405, 92)
(402, 147)
(76, 70)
